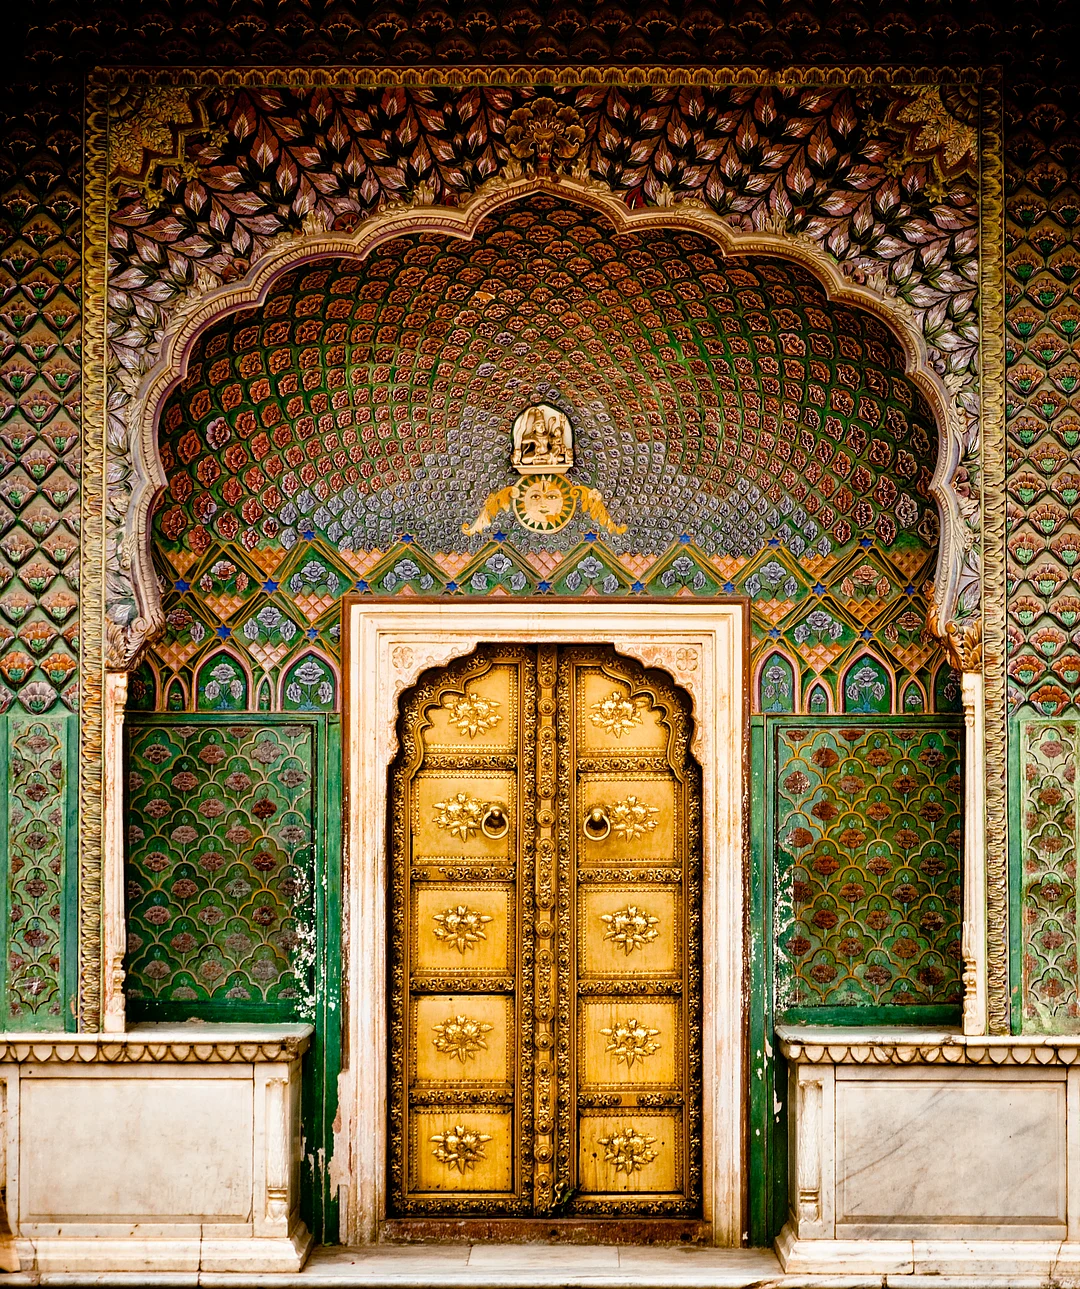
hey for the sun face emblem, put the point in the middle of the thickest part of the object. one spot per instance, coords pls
(461, 1038)
(630, 1041)
(630, 928)
(544, 503)
(616, 714)
(461, 927)
(628, 1150)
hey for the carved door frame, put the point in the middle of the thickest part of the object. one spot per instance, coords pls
(387, 644)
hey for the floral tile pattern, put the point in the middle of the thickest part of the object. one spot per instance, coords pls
(1050, 754)
(36, 813)
(868, 865)
(220, 865)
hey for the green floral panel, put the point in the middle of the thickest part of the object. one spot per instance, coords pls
(37, 822)
(868, 863)
(1050, 752)
(220, 893)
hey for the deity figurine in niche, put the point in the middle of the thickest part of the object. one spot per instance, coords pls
(543, 441)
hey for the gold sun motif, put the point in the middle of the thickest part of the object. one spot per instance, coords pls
(630, 1041)
(544, 503)
(628, 1149)
(461, 815)
(460, 1148)
(616, 714)
(461, 927)
(473, 713)
(632, 818)
(460, 1038)
(630, 928)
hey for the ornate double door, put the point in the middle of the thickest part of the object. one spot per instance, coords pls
(545, 1053)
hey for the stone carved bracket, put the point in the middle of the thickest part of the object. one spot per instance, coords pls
(137, 402)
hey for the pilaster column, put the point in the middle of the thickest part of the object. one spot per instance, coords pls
(974, 932)
(114, 923)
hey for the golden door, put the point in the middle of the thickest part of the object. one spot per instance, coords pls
(545, 912)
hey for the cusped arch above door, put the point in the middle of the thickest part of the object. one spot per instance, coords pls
(749, 373)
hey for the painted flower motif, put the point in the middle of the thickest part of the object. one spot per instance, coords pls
(628, 1150)
(461, 927)
(630, 928)
(617, 714)
(459, 1147)
(460, 1038)
(630, 1041)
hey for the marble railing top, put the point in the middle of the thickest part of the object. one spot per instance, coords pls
(824, 1045)
(188, 1042)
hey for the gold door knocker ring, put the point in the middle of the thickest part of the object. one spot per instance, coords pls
(495, 824)
(597, 825)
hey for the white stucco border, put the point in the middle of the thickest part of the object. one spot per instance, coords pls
(387, 644)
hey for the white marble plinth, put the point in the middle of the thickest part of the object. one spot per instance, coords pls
(931, 1153)
(163, 1150)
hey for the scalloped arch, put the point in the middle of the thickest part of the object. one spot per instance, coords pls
(210, 301)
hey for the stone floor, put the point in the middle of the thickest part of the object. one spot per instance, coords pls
(524, 1266)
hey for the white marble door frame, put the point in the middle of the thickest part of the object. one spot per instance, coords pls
(387, 644)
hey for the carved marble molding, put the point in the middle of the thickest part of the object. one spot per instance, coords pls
(805, 1046)
(387, 644)
(139, 1048)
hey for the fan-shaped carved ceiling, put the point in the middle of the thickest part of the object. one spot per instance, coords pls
(724, 400)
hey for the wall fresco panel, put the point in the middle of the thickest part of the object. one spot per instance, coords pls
(220, 874)
(868, 871)
(37, 822)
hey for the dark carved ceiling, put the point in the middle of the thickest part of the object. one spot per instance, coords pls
(507, 31)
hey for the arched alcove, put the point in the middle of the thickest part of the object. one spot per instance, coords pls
(734, 419)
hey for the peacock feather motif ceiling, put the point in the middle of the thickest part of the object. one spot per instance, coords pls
(727, 400)
(747, 435)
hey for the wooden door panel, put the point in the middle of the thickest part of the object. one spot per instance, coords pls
(545, 948)
(628, 930)
(632, 872)
(455, 815)
(461, 916)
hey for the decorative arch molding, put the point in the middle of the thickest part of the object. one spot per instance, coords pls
(210, 300)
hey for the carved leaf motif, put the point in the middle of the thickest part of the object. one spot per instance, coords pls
(616, 714)
(459, 1147)
(628, 1150)
(461, 927)
(630, 928)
